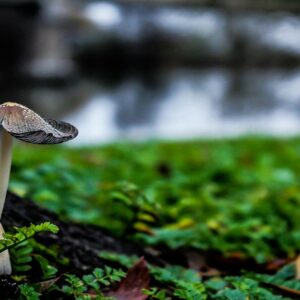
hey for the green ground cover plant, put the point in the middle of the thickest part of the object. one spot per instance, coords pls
(236, 200)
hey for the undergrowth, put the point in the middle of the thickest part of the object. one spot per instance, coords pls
(238, 199)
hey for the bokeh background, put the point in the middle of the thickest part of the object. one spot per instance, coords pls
(143, 69)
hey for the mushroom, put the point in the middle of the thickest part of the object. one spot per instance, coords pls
(22, 123)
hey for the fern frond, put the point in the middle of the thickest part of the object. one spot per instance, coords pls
(22, 234)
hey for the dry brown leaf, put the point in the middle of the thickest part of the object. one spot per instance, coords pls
(131, 287)
(45, 285)
(210, 273)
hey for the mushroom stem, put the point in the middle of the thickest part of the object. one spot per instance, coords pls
(5, 164)
(5, 265)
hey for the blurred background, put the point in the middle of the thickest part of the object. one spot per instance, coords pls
(140, 69)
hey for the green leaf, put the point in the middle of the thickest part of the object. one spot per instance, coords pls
(24, 233)
(48, 270)
(190, 291)
(28, 292)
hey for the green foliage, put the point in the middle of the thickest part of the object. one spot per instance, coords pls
(174, 274)
(123, 260)
(50, 251)
(285, 277)
(104, 277)
(74, 286)
(231, 196)
(190, 291)
(240, 288)
(48, 270)
(22, 234)
(156, 294)
(186, 284)
(28, 292)
(234, 197)
(251, 286)
(21, 257)
(80, 288)
(142, 207)
(22, 246)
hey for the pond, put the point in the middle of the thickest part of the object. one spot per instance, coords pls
(185, 104)
(162, 71)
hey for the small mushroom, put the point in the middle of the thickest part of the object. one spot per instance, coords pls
(22, 123)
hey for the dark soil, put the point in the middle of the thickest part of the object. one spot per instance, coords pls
(80, 243)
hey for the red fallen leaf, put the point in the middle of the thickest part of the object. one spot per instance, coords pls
(277, 264)
(131, 287)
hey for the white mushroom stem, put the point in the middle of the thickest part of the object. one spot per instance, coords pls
(5, 165)
(5, 265)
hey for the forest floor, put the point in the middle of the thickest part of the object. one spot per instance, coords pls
(187, 220)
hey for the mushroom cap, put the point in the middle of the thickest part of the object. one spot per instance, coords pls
(26, 125)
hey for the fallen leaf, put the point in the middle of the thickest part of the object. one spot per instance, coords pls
(45, 285)
(277, 264)
(210, 273)
(131, 287)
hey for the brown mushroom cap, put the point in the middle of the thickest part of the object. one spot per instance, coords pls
(25, 125)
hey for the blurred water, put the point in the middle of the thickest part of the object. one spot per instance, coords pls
(190, 104)
(165, 72)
